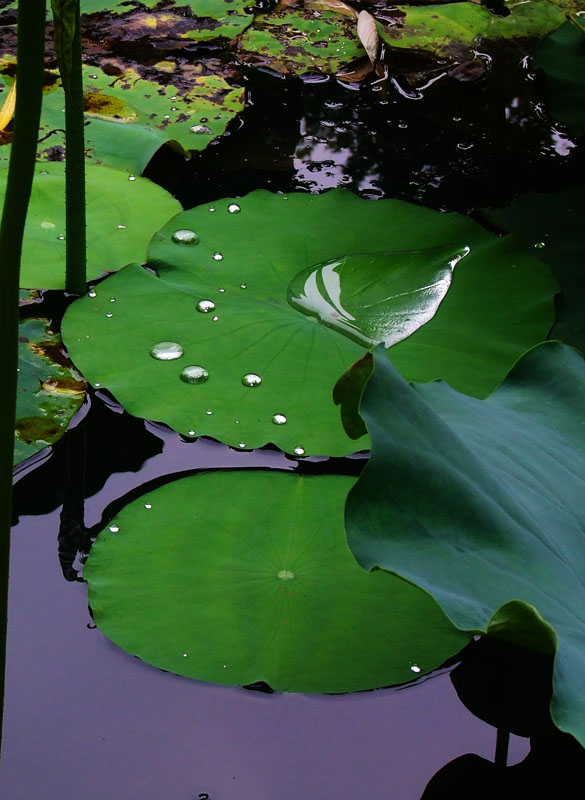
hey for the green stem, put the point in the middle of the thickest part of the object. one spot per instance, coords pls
(29, 93)
(75, 223)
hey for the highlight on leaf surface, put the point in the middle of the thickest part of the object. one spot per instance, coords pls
(7, 110)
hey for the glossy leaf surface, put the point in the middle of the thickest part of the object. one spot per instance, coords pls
(480, 503)
(49, 390)
(242, 261)
(246, 591)
(121, 215)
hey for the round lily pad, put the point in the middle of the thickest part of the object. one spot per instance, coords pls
(49, 390)
(242, 592)
(122, 212)
(228, 276)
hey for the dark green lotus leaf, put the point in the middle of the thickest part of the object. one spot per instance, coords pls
(246, 591)
(299, 41)
(49, 390)
(480, 503)
(553, 224)
(499, 303)
(128, 119)
(562, 56)
(122, 211)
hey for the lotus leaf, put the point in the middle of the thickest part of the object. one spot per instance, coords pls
(562, 56)
(239, 267)
(554, 226)
(242, 592)
(49, 389)
(480, 503)
(128, 119)
(122, 210)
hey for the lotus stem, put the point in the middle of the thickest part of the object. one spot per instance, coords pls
(502, 742)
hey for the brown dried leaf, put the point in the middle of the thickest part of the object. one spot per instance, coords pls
(367, 30)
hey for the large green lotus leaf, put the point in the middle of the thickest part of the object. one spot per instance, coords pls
(122, 212)
(128, 119)
(562, 56)
(553, 224)
(245, 263)
(299, 41)
(49, 389)
(480, 502)
(245, 591)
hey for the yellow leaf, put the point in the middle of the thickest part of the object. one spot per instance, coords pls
(7, 110)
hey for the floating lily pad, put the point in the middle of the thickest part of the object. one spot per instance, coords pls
(481, 504)
(562, 56)
(122, 212)
(242, 592)
(128, 119)
(49, 390)
(235, 260)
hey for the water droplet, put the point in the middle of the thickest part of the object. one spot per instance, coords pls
(174, 108)
(121, 227)
(214, 319)
(185, 236)
(191, 433)
(242, 444)
(203, 119)
(299, 451)
(166, 116)
(92, 293)
(131, 177)
(166, 351)
(112, 299)
(212, 208)
(173, 99)
(61, 237)
(43, 172)
(114, 528)
(201, 129)
(243, 285)
(148, 505)
(279, 419)
(184, 655)
(286, 575)
(209, 412)
(93, 77)
(221, 289)
(205, 305)
(194, 374)
(216, 256)
(234, 208)
(109, 314)
(415, 668)
(251, 379)
(48, 225)
(540, 245)
(96, 384)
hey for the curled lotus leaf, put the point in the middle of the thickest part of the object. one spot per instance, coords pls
(273, 297)
(237, 593)
(49, 392)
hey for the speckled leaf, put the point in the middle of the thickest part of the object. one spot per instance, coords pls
(49, 390)
(299, 41)
(499, 303)
(242, 592)
(128, 118)
(481, 504)
(121, 215)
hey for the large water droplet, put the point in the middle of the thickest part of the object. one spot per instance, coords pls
(166, 351)
(299, 451)
(201, 129)
(194, 374)
(185, 236)
(205, 306)
(251, 379)
(234, 208)
(217, 256)
(279, 419)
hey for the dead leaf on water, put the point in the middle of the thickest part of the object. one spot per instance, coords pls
(367, 30)
(332, 5)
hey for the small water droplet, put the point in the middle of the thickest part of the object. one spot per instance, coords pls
(243, 285)
(415, 668)
(61, 237)
(131, 177)
(114, 528)
(217, 256)
(166, 116)
(242, 444)
(203, 119)
(43, 172)
(194, 374)
(96, 384)
(201, 130)
(112, 299)
(214, 319)
(299, 451)
(92, 293)
(109, 314)
(279, 419)
(174, 108)
(251, 379)
(209, 412)
(121, 227)
(185, 236)
(286, 575)
(93, 77)
(212, 208)
(234, 208)
(221, 289)
(173, 99)
(205, 306)
(166, 351)
(540, 245)
(191, 433)
(148, 505)
(184, 655)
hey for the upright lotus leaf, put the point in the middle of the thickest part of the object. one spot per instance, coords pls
(122, 212)
(128, 119)
(49, 390)
(562, 56)
(242, 592)
(264, 369)
(480, 503)
(553, 224)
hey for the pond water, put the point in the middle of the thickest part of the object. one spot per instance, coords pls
(85, 720)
